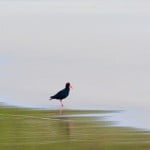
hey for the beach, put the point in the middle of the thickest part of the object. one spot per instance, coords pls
(23, 128)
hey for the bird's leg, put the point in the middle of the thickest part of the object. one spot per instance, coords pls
(61, 103)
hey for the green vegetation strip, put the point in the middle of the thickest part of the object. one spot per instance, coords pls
(30, 129)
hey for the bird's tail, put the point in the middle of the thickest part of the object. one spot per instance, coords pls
(50, 98)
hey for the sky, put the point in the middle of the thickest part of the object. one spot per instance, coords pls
(100, 46)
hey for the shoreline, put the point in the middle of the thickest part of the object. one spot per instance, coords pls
(121, 118)
(74, 129)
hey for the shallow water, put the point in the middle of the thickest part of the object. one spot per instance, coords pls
(66, 129)
(137, 118)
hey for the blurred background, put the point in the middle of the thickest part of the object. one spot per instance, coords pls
(100, 46)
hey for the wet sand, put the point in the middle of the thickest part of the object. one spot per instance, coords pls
(67, 130)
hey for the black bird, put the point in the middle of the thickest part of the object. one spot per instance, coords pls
(62, 94)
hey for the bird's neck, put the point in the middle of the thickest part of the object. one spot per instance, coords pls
(67, 88)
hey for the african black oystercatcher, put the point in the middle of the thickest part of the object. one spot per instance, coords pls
(62, 94)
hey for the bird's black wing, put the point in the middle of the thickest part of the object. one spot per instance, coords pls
(58, 95)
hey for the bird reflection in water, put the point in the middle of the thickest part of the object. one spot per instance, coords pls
(65, 123)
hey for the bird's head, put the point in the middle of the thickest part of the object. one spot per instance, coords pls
(68, 85)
